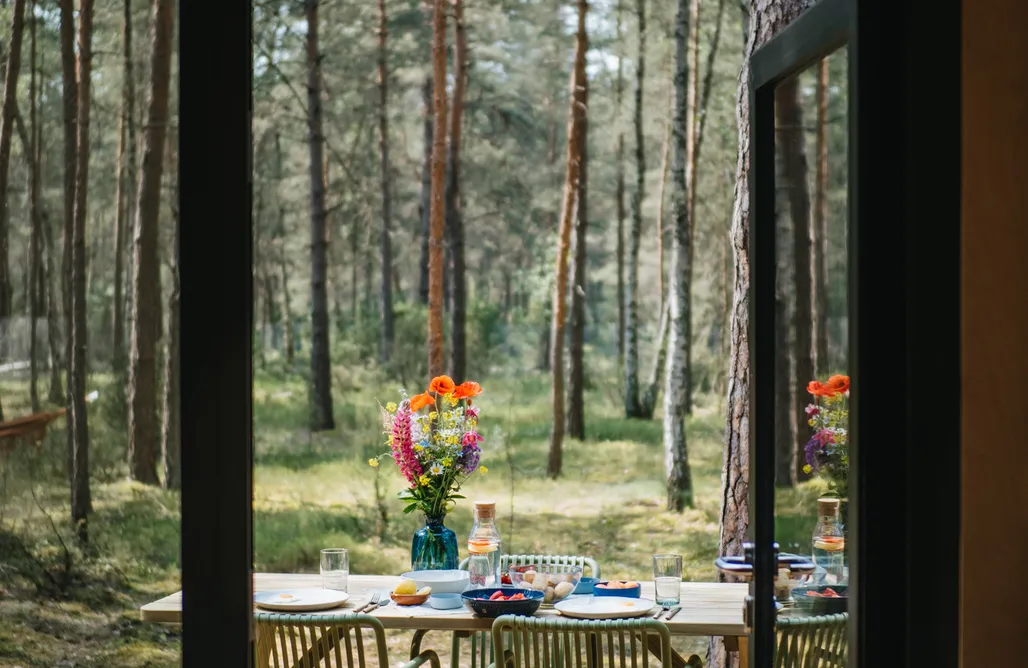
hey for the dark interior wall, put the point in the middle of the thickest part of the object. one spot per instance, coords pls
(994, 333)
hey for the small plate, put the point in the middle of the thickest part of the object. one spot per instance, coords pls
(299, 600)
(605, 607)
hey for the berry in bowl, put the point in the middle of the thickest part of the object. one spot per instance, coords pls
(555, 581)
(627, 589)
(495, 601)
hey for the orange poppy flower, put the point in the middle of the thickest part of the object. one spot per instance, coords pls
(837, 384)
(419, 401)
(817, 388)
(442, 385)
(467, 389)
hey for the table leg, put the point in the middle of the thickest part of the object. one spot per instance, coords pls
(744, 652)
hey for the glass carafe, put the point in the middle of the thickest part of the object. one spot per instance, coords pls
(484, 547)
(829, 541)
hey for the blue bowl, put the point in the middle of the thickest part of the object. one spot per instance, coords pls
(477, 601)
(634, 592)
(585, 585)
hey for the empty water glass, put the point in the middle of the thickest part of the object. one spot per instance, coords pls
(667, 578)
(335, 568)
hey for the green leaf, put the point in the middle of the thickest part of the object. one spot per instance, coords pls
(410, 509)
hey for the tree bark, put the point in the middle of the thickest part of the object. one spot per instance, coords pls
(10, 101)
(144, 434)
(569, 205)
(81, 501)
(656, 375)
(35, 237)
(281, 262)
(792, 144)
(661, 228)
(579, 254)
(321, 417)
(171, 434)
(425, 204)
(385, 349)
(454, 215)
(691, 100)
(69, 105)
(766, 18)
(436, 359)
(619, 189)
(632, 405)
(676, 390)
(122, 220)
(821, 224)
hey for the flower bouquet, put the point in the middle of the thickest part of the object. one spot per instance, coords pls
(827, 451)
(434, 441)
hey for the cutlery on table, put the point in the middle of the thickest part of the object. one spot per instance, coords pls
(674, 611)
(381, 604)
(663, 609)
(375, 597)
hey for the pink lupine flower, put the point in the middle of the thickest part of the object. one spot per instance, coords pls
(403, 444)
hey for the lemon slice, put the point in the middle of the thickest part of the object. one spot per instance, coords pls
(424, 591)
(405, 588)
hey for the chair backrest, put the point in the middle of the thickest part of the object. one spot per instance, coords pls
(812, 642)
(313, 641)
(532, 642)
(546, 559)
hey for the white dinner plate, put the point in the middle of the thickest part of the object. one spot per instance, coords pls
(604, 607)
(299, 600)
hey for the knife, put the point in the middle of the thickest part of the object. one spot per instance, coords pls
(674, 611)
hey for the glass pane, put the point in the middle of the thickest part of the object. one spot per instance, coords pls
(811, 347)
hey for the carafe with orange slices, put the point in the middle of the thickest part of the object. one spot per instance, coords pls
(484, 547)
(829, 541)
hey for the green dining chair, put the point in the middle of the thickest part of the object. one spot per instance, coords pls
(481, 646)
(325, 641)
(811, 642)
(553, 642)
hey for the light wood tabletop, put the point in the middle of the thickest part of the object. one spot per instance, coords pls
(708, 608)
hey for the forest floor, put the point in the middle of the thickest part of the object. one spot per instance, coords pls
(316, 490)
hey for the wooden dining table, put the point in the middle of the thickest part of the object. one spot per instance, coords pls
(708, 608)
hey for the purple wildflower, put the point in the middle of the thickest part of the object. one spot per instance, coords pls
(469, 458)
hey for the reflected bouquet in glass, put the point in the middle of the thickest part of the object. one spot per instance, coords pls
(827, 451)
(434, 440)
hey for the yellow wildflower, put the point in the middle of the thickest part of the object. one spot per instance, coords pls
(372, 462)
(424, 480)
(418, 448)
(391, 407)
(433, 415)
(483, 469)
(807, 468)
(447, 461)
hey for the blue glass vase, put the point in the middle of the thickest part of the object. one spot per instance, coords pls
(434, 546)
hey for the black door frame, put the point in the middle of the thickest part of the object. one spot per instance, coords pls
(904, 322)
(905, 166)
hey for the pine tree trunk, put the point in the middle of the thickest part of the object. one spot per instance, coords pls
(81, 502)
(10, 101)
(53, 329)
(385, 350)
(425, 203)
(122, 194)
(821, 224)
(69, 105)
(792, 144)
(454, 215)
(287, 307)
(321, 417)
(785, 418)
(676, 389)
(764, 20)
(144, 430)
(35, 237)
(569, 204)
(436, 359)
(660, 227)
(632, 406)
(579, 262)
(619, 191)
(171, 433)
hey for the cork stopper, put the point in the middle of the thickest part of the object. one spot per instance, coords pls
(485, 510)
(828, 508)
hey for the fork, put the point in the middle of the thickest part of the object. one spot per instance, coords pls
(375, 598)
(663, 609)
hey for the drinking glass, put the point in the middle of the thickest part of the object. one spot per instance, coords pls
(335, 568)
(667, 578)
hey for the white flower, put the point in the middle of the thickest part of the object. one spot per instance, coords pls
(436, 469)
